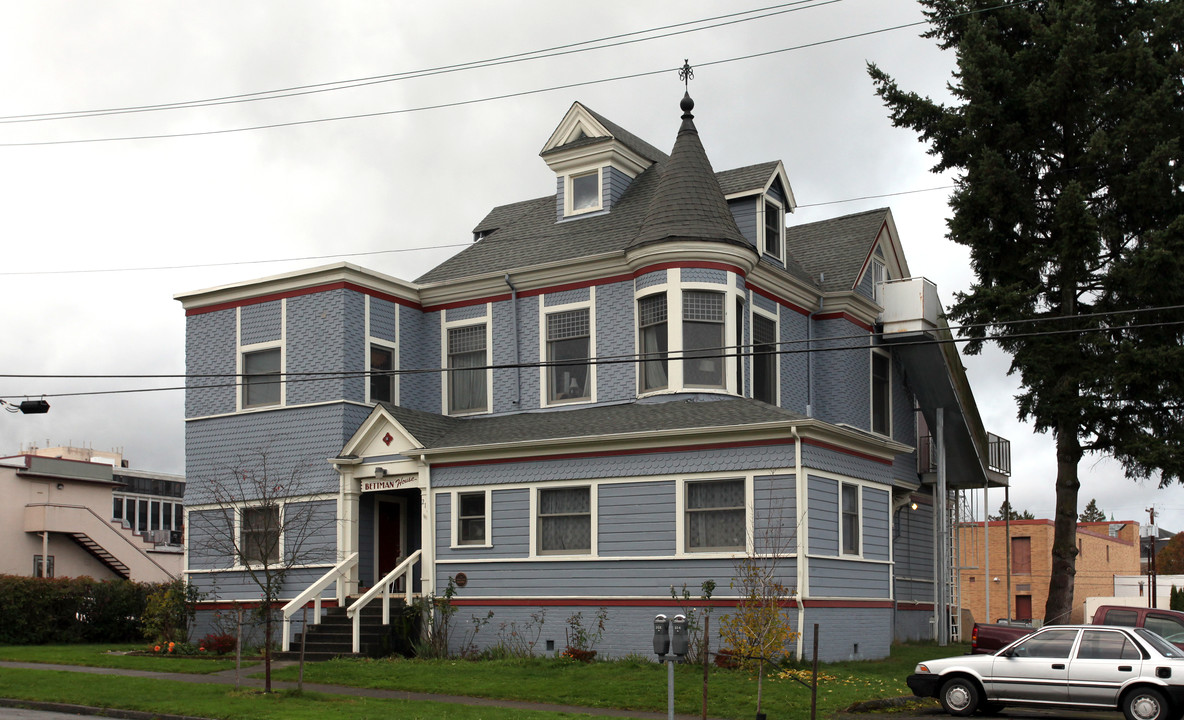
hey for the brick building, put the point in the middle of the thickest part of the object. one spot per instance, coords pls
(1105, 550)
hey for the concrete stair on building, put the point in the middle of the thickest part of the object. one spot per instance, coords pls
(333, 637)
(101, 554)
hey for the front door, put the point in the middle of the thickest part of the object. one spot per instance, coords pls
(388, 540)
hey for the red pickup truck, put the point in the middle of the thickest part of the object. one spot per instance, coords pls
(988, 638)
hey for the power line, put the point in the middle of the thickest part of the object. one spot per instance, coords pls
(541, 54)
(491, 98)
(670, 356)
(873, 197)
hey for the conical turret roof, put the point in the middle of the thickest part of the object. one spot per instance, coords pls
(688, 203)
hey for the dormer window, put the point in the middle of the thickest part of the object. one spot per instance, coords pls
(584, 192)
(774, 228)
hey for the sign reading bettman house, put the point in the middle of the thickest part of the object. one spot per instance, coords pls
(390, 482)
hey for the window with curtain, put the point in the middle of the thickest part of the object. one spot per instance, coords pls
(259, 535)
(881, 395)
(703, 338)
(466, 387)
(850, 519)
(382, 363)
(652, 327)
(470, 519)
(764, 359)
(568, 339)
(261, 378)
(715, 515)
(564, 521)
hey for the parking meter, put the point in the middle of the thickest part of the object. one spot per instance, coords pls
(661, 635)
(679, 638)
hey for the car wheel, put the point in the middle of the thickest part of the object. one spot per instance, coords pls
(1145, 704)
(991, 708)
(960, 696)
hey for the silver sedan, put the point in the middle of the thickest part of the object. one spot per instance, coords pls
(1069, 666)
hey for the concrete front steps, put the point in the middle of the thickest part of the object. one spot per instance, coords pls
(333, 637)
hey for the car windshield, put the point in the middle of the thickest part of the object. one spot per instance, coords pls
(1164, 647)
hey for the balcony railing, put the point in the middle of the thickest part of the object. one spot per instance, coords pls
(998, 454)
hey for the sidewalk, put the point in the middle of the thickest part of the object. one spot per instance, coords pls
(226, 677)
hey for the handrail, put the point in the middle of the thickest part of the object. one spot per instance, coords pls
(382, 586)
(313, 592)
(112, 532)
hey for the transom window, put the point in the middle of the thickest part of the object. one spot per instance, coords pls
(703, 338)
(259, 536)
(715, 515)
(470, 518)
(585, 191)
(261, 378)
(764, 359)
(653, 330)
(382, 363)
(568, 339)
(850, 519)
(565, 521)
(466, 373)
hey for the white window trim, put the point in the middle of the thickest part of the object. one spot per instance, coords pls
(569, 195)
(775, 317)
(455, 510)
(878, 268)
(780, 254)
(393, 346)
(593, 493)
(243, 350)
(680, 523)
(871, 385)
(445, 326)
(859, 507)
(544, 311)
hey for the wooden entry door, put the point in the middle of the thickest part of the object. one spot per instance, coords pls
(1023, 607)
(388, 536)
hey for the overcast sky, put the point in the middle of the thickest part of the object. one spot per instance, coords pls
(80, 222)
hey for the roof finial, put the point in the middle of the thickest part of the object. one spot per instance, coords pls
(686, 74)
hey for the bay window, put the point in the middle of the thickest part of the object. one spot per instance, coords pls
(703, 338)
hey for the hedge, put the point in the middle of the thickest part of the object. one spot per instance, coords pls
(38, 611)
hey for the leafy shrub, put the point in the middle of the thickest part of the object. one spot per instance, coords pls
(170, 610)
(580, 639)
(218, 643)
(39, 611)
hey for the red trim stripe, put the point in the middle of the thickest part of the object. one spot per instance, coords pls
(655, 603)
(340, 285)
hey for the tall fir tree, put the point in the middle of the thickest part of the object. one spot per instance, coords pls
(1065, 135)
(1092, 512)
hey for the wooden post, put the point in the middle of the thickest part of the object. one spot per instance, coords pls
(303, 644)
(814, 679)
(706, 656)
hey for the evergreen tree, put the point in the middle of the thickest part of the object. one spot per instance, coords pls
(1092, 513)
(1170, 560)
(1065, 134)
(1007, 512)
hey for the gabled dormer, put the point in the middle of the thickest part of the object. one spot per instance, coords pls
(594, 161)
(760, 198)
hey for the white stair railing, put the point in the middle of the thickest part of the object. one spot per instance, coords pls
(382, 586)
(339, 572)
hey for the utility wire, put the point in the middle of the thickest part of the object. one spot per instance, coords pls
(544, 53)
(491, 98)
(675, 356)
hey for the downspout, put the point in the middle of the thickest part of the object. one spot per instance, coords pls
(801, 533)
(810, 357)
(517, 363)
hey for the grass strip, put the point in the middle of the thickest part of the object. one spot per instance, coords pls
(224, 703)
(99, 656)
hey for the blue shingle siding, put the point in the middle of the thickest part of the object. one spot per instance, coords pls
(419, 349)
(823, 498)
(865, 287)
(764, 303)
(876, 504)
(912, 625)
(294, 442)
(775, 514)
(844, 464)
(559, 194)
(912, 549)
(210, 349)
(310, 531)
(795, 366)
(567, 297)
(468, 312)
(262, 322)
(509, 518)
(842, 378)
(745, 360)
(615, 184)
(208, 537)
(636, 519)
(590, 468)
(615, 334)
(316, 342)
(649, 280)
(529, 339)
(843, 629)
(504, 340)
(849, 578)
(744, 213)
(739, 280)
(703, 275)
(383, 319)
(776, 193)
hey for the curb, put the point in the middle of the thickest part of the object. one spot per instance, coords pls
(96, 711)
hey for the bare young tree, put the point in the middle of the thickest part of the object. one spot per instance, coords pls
(258, 525)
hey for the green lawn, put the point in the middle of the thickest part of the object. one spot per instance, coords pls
(638, 685)
(101, 656)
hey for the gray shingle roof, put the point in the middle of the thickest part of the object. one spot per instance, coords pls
(502, 215)
(628, 139)
(707, 411)
(751, 178)
(835, 248)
